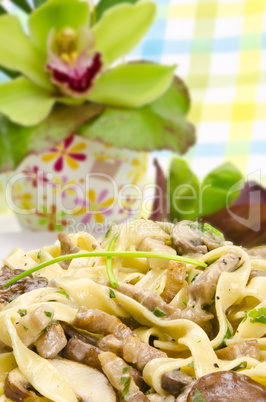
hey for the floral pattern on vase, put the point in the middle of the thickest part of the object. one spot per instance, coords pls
(78, 184)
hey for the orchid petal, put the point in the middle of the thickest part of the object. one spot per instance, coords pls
(121, 28)
(57, 14)
(24, 103)
(19, 54)
(132, 85)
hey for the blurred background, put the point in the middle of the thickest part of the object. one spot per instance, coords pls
(219, 47)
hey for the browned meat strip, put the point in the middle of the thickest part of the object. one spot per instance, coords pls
(175, 382)
(51, 342)
(98, 322)
(17, 387)
(110, 343)
(258, 252)
(191, 237)
(227, 386)
(249, 348)
(67, 247)
(23, 286)
(73, 333)
(156, 245)
(152, 301)
(83, 353)
(203, 288)
(120, 378)
(139, 353)
(254, 273)
(175, 279)
(148, 299)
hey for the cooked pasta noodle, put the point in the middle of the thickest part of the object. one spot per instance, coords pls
(236, 312)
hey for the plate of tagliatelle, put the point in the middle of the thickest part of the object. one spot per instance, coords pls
(149, 312)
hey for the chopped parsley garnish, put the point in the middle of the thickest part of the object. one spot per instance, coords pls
(13, 298)
(194, 277)
(159, 313)
(157, 287)
(185, 302)
(46, 329)
(39, 255)
(126, 382)
(26, 328)
(125, 369)
(191, 364)
(22, 312)
(111, 294)
(48, 313)
(62, 292)
(256, 315)
(198, 397)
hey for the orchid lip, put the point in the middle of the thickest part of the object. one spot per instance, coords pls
(77, 79)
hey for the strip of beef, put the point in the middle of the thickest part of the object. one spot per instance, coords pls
(82, 352)
(156, 245)
(152, 301)
(73, 333)
(88, 354)
(249, 348)
(258, 252)
(24, 285)
(67, 247)
(52, 341)
(175, 382)
(254, 273)
(175, 279)
(117, 371)
(203, 288)
(98, 322)
(191, 237)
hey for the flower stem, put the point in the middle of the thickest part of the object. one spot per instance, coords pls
(130, 254)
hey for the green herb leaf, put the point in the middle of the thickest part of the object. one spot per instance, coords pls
(39, 255)
(125, 369)
(226, 336)
(111, 294)
(257, 315)
(191, 364)
(22, 312)
(62, 292)
(185, 302)
(48, 313)
(159, 313)
(198, 397)
(26, 328)
(46, 329)
(194, 277)
(126, 382)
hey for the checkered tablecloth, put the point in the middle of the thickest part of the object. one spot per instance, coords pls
(220, 49)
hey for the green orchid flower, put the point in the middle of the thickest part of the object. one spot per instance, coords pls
(63, 59)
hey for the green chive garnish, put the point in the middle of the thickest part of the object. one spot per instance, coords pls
(129, 254)
(109, 265)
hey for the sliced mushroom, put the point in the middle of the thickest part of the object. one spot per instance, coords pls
(175, 382)
(88, 384)
(16, 387)
(249, 348)
(227, 386)
(67, 247)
